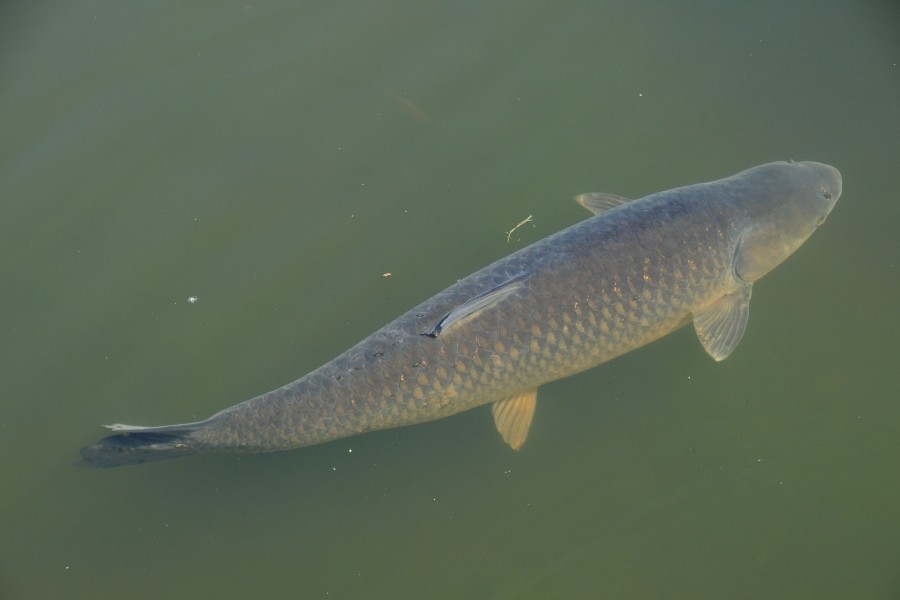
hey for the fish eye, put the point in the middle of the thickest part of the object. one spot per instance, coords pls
(826, 194)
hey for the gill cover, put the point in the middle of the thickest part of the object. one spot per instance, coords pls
(784, 206)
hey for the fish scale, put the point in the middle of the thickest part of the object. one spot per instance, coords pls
(612, 283)
(596, 275)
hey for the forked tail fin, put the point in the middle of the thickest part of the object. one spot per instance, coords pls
(133, 445)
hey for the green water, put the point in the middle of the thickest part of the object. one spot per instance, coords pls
(276, 159)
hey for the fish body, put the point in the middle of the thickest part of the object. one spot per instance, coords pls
(631, 274)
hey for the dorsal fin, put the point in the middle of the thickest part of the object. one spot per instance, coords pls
(600, 202)
(513, 417)
(476, 304)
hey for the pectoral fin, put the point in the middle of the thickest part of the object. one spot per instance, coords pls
(599, 202)
(476, 304)
(721, 325)
(513, 417)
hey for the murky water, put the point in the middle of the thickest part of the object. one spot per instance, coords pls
(275, 160)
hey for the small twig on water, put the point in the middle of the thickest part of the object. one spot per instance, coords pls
(509, 233)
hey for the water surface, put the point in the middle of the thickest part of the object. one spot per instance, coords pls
(277, 160)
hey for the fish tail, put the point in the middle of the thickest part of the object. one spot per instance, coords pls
(133, 445)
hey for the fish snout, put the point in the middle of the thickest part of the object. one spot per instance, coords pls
(830, 183)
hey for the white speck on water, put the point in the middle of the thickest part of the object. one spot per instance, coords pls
(193, 299)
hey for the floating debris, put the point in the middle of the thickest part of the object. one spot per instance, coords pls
(410, 107)
(509, 233)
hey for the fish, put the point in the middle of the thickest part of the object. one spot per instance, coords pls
(630, 274)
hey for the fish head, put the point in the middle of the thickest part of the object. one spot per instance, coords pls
(783, 204)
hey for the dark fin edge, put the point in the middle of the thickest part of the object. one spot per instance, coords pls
(476, 304)
(135, 447)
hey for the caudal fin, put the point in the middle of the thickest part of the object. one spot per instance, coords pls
(133, 445)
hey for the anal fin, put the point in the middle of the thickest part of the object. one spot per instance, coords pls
(513, 417)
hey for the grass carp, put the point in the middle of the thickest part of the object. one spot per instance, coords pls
(633, 273)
